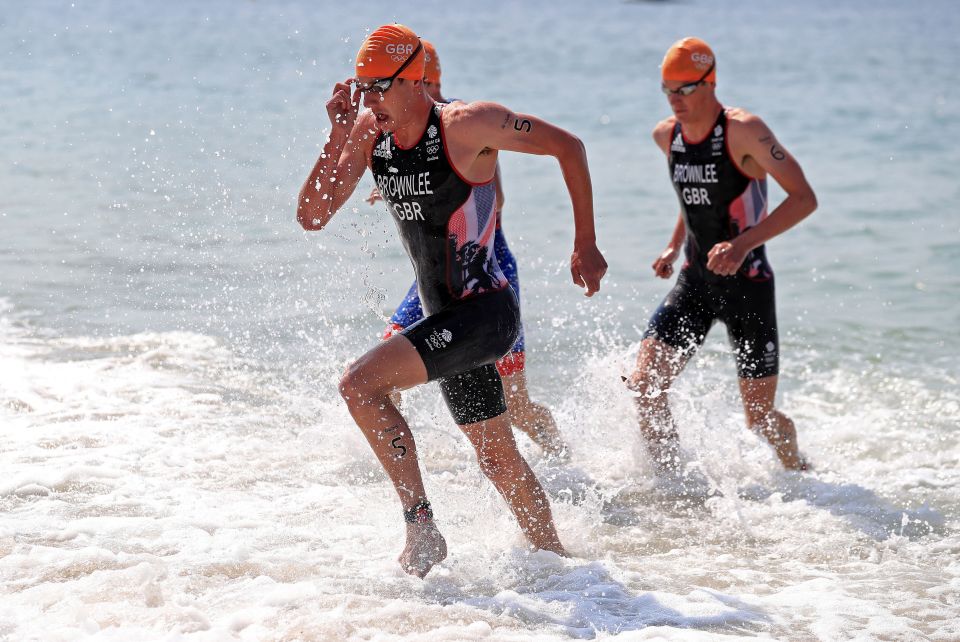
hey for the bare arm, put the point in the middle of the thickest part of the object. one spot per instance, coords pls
(759, 153)
(663, 265)
(662, 133)
(336, 173)
(479, 127)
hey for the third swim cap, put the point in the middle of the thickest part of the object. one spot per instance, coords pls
(687, 60)
(431, 64)
(386, 49)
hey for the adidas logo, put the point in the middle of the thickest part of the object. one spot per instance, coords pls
(383, 149)
(677, 144)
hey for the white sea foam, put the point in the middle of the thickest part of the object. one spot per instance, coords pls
(156, 485)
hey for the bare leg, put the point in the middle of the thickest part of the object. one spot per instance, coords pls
(758, 403)
(658, 366)
(366, 386)
(533, 419)
(502, 463)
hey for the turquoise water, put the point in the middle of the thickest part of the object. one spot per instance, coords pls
(176, 459)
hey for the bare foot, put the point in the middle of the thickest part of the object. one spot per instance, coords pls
(790, 458)
(556, 548)
(801, 463)
(545, 538)
(425, 548)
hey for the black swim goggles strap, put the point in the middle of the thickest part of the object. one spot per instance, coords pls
(406, 63)
(384, 84)
(419, 514)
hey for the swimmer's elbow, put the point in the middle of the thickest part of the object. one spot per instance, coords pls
(810, 200)
(309, 219)
(803, 199)
(577, 145)
(570, 147)
(309, 225)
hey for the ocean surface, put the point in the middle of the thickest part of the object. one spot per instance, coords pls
(176, 463)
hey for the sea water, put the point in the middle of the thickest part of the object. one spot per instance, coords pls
(176, 463)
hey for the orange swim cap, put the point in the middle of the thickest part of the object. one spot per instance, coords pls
(431, 65)
(687, 60)
(386, 49)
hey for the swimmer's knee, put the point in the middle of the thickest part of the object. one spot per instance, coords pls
(355, 386)
(348, 386)
(772, 424)
(782, 418)
(521, 408)
(489, 464)
(783, 425)
(648, 385)
(759, 420)
(495, 463)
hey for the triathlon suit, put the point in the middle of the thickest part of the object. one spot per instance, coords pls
(719, 202)
(447, 225)
(410, 311)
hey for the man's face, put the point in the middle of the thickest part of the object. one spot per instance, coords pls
(432, 89)
(692, 105)
(388, 106)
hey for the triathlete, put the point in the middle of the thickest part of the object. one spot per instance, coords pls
(719, 159)
(434, 165)
(534, 419)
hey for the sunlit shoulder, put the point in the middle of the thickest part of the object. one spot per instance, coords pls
(662, 131)
(478, 113)
(740, 119)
